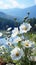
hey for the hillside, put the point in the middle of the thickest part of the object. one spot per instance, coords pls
(20, 13)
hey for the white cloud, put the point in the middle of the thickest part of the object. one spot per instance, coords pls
(10, 4)
(15, 4)
(4, 5)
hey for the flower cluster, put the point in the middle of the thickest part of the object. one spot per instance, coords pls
(16, 45)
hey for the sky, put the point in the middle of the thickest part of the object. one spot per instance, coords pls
(7, 4)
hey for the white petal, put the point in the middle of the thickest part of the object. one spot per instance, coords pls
(13, 53)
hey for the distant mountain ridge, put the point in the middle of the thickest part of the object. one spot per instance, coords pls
(4, 15)
(18, 13)
(7, 17)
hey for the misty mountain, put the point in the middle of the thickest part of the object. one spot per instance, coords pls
(4, 15)
(7, 21)
(18, 13)
(21, 13)
(7, 16)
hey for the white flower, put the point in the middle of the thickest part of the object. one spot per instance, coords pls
(33, 58)
(1, 34)
(34, 51)
(2, 49)
(9, 64)
(3, 52)
(8, 43)
(17, 39)
(14, 32)
(9, 29)
(25, 27)
(3, 46)
(28, 44)
(16, 53)
(7, 33)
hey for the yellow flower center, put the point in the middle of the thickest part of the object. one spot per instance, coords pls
(25, 28)
(17, 54)
(18, 40)
(26, 44)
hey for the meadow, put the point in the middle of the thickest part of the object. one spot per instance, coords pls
(18, 42)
